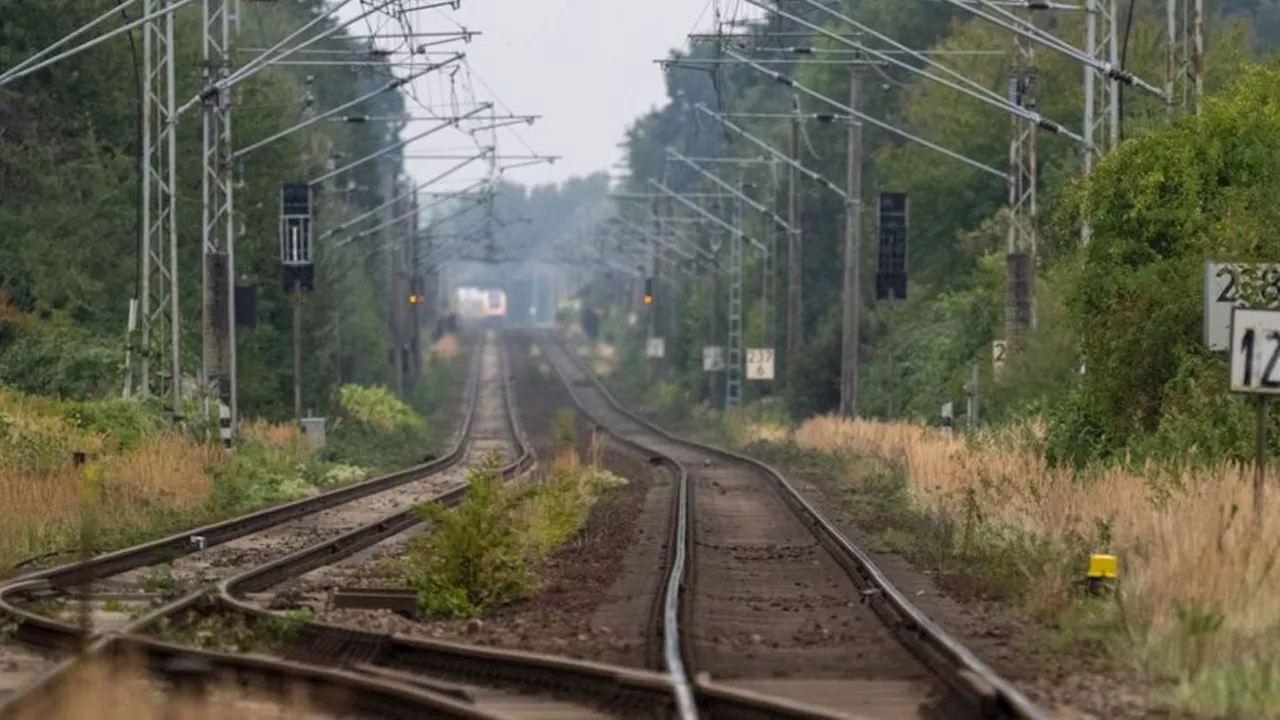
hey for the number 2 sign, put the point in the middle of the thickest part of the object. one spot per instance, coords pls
(1255, 351)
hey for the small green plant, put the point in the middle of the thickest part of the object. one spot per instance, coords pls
(564, 428)
(160, 580)
(474, 558)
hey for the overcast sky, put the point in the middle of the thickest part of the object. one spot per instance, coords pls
(586, 66)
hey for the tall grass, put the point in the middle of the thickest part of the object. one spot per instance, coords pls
(1198, 587)
(140, 478)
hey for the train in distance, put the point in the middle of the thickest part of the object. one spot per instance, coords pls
(479, 304)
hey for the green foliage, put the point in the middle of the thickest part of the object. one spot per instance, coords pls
(564, 428)
(62, 361)
(478, 555)
(1160, 205)
(124, 423)
(474, 557)
(260, 474)
(377, 407)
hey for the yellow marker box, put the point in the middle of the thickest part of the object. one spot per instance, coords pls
(1102, 567)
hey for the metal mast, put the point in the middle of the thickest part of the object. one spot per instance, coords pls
(218, 227)
(733, 361)
(795, 255)
(851, 292)
(1184, 64)
(1019, 311)
(159, 227)
(1101, 93)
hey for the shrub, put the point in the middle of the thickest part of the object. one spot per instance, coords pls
(477, 556)
(379, 407)
(474, 558)
(564, 428)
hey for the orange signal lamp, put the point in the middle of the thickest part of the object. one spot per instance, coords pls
(415, 299)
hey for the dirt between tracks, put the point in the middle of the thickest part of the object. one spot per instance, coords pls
(1080, 683)
(574, 610)
(594, 596)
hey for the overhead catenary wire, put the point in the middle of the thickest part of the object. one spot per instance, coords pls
(789, 82)
(15, 73)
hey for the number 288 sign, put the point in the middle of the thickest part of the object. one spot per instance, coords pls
(1255, 351)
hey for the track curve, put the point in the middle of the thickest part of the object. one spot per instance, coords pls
(774, 600)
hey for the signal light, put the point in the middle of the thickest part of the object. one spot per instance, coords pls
(648, 291)
(415, 299)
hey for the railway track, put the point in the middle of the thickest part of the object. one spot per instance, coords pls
(343, 521)
(366, 674)
(766, 596)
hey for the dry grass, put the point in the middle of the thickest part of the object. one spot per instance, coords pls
(163, 479)
(125, 692)
(1198, 583)
(569, 487)
(446, 348)
(42, 510)
(284, 435)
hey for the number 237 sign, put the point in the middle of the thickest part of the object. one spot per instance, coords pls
(1255, 351)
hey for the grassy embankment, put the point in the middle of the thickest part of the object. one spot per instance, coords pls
(1194, 612)
(144, 480)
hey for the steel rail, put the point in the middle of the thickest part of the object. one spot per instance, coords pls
(321, 643)
(194, 668)
(953, 663)
(52, 634)
(671, 614)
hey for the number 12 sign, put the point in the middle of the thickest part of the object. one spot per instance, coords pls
(1255, 351)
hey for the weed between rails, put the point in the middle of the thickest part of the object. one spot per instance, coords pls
(478, 555)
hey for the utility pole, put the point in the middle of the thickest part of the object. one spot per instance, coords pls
(416, 289)
(1184, 63)
(218, 226)
(394, 296)
(852, 257)
(768, 287)
(714, 242)
(795, 269)
(733, 353)
(159, 224)
(1020, 250)
(1101, 93)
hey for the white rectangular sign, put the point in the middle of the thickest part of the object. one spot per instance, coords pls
(1222, 283)
(712, 358)
(656, 347)
(999, 350)
(759, 363)
(1255, 351)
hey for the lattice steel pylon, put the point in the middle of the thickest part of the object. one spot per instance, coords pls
(733, 359)
(1101, 92)
(1184, 62)
(1019, 311)
(159, 292)
(217, 225)
(769, 279)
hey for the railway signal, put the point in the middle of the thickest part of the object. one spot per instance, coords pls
(648, 291)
